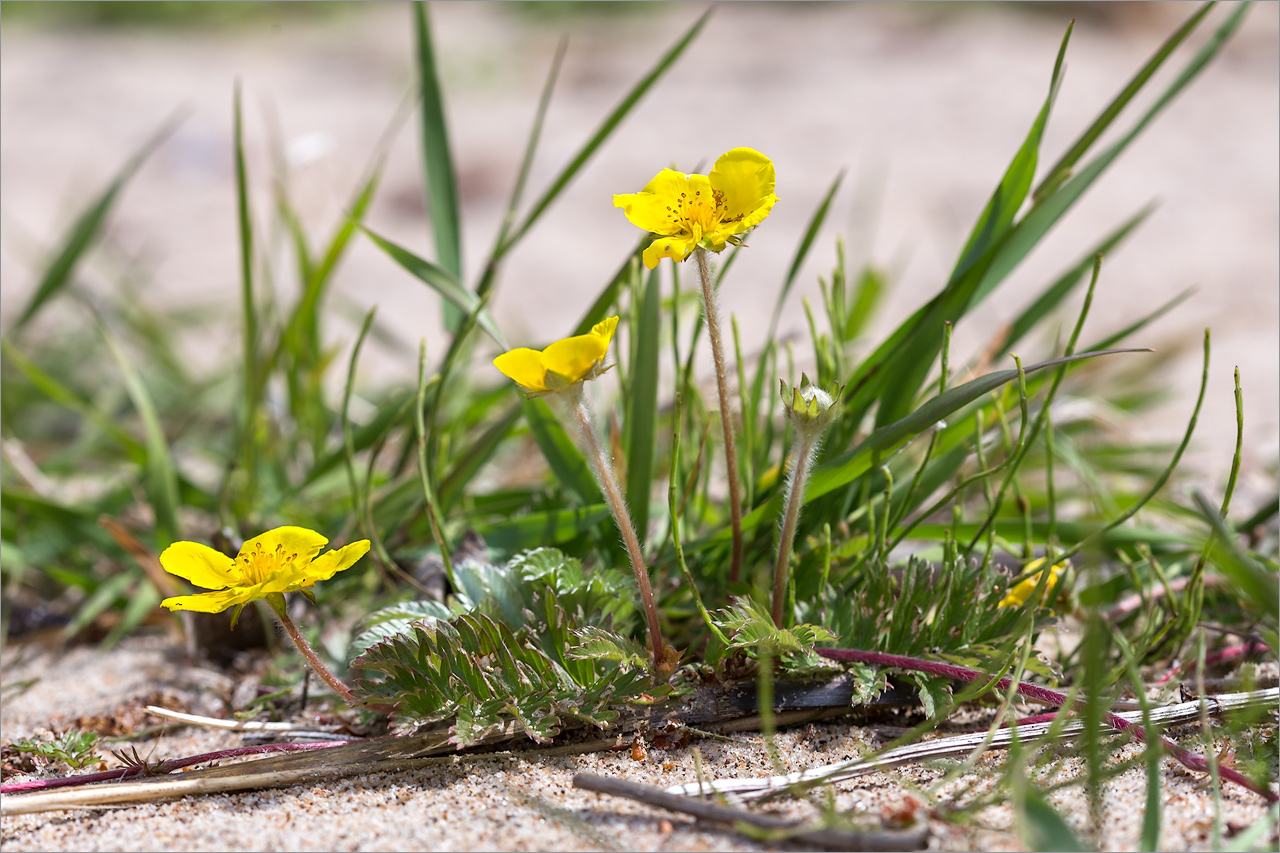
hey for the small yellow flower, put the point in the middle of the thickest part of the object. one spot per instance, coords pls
(1019, 594)
(279, 561)
(563, 364)
(687, 211)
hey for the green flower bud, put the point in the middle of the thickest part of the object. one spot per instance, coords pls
(810, 408)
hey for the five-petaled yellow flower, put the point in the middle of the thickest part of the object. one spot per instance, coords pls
(687, 211)
(278, 561)
(1019, 594)
(563, 364)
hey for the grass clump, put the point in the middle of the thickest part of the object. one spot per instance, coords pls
(889, 515)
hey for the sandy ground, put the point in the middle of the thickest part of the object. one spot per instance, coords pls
(522, 800)
(922, 104)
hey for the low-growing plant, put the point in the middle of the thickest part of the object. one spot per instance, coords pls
(886, 516)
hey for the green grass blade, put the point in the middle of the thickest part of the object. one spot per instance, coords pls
(608, 296)
(84, 232)
(437, 162)
(561, 454)
(802, 252)
(442, 282)
(424, 470)
(603, 132)
(359, 492)
(896, 388)
(474, 456)
(522, 177)
(846, 468)
(541, 529)
(161, 476)
(1053, 296)
(1045, 214)
(74, 402)
(1062, 168)
(1044, 829)
(642, 404)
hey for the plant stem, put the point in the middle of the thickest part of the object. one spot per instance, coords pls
(1191, 760)
(613, 495)
(276, 600)
(803, 458)
(726, 415)
(163, 767)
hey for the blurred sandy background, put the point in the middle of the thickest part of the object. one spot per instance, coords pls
(922, 103)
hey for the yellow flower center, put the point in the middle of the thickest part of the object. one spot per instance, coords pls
(258, 565)
(700, 215)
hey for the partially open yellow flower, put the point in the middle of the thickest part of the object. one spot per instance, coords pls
(563, 364)
(687, 211)
(1019, 594)
(279, 561)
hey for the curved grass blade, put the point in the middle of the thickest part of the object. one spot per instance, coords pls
(1053, 295)
(442, 282)
(470, 460)
(1060, 170)
(914, 357)
(562, 455)
(846, 468)
(526, 164)
(609, 295)
(74, 402)
(1046, 212)
(641, 403)
(359, 492)
(602, 133)
(87, 227)
(437, 161)
(424, 470)
(161, 483)
(538, 529)
(802, 252)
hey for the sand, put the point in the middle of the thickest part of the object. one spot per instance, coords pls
(521, 799)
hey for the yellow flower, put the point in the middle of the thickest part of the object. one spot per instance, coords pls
(687, 211)
(563, 364)
(279, 561)
(1019, 594)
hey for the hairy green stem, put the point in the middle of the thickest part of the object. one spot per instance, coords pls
(726, 414)
(806, 447)
(276, 600)
(613, 495)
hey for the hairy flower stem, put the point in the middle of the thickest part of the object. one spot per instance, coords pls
(806, 447)
(276, 600)
(662, 655)
(726, 415)
(1191, 760)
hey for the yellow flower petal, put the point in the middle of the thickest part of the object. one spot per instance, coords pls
(200, 564)
(573, 358)
(207, 602)
(745, 179)
(327, 565)
(653, 208)
(564, 363)
(524, 365)
(676, 248)
(292, 540)
(1023, 591)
